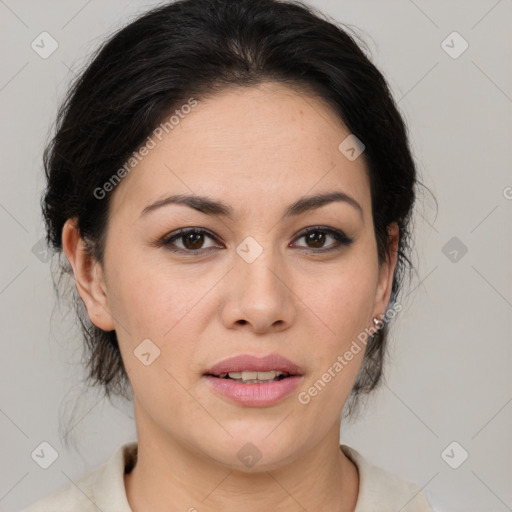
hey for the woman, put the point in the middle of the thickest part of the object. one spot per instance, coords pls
(231, 184)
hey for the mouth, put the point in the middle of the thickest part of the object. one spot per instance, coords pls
(247, 368)
(251, 377)
(254, 381)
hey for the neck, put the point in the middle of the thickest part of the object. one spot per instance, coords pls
(169, 477)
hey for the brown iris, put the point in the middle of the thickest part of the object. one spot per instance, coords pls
(193, 241)
(317, 238)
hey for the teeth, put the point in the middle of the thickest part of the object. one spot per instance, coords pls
(252, 377)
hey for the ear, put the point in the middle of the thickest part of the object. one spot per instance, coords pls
(386, 273)
(89, 277)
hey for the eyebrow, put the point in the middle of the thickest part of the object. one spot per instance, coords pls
(214, 207)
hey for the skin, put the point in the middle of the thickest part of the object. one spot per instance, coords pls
(257, 149)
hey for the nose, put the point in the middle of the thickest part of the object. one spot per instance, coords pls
(259, 296)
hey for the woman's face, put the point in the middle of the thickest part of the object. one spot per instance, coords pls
(250, 281)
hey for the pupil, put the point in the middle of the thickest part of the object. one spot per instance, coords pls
(316, 238)
(192, 239)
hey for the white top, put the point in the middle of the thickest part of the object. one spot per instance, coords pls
(103, 488)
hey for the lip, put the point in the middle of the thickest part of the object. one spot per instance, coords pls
(253, 394)
(252, 363)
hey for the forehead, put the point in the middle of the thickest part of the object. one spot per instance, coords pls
(268, 144)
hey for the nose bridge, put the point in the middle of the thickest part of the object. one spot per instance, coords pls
(257, 265)
(257, 294)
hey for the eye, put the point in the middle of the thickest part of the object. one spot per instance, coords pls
(191, 240)
(317, 236)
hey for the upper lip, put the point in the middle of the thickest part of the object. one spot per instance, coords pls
(251, 363)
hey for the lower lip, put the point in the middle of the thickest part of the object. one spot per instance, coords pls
(255, 395)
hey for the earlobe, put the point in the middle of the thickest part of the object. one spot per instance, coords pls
(89, 278)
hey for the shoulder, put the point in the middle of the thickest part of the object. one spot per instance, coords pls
(77, 496)
(381, 490)
(100, 489)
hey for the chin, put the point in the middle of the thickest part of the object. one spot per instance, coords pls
(253, 454)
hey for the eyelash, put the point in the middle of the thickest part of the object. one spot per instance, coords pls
(341, 238)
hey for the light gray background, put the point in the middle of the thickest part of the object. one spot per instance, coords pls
(449, 377)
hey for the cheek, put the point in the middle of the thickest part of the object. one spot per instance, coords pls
(148, 298)
(343, 305)
(150, 301)
(344, 300)
(156, 336)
